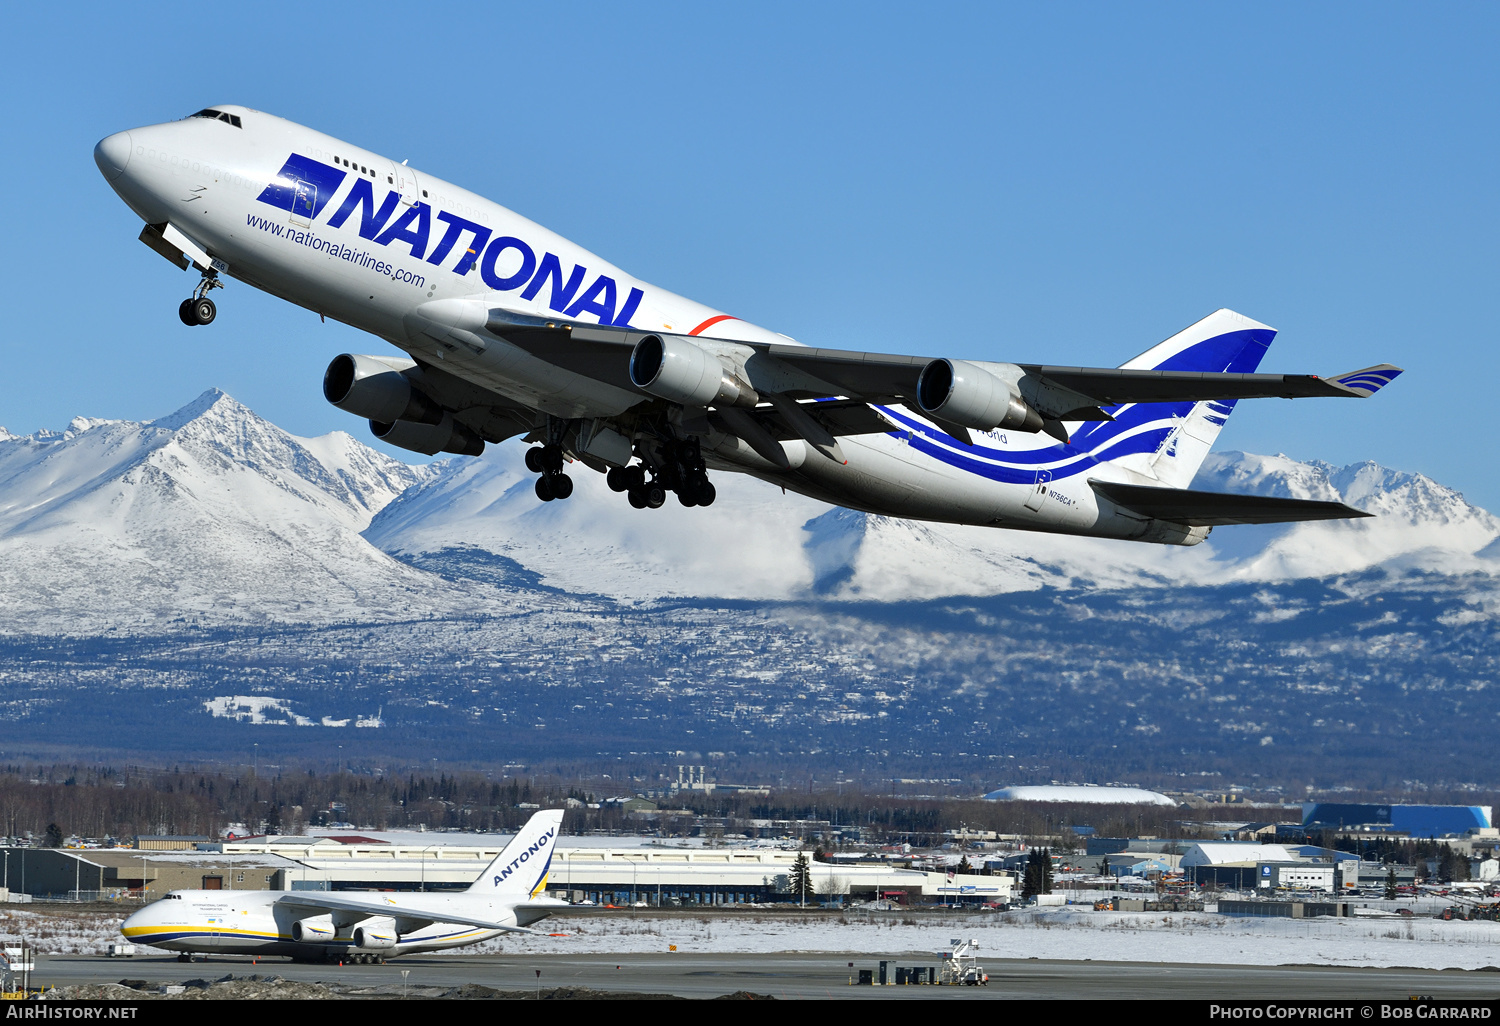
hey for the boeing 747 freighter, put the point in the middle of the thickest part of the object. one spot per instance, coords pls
(502, 328)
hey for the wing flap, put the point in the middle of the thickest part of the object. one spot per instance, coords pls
(1218, 509)
(839, 416)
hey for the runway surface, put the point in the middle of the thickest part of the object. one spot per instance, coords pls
(816, 976)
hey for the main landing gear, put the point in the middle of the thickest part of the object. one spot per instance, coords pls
(547, 460)
(199, 309)
(683, 472)
(632, 481)
(680, 470)
(671, 466)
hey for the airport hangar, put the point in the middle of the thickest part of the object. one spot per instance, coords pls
(607, 875)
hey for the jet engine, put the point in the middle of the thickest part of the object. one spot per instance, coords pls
(370, 387)
(673, 368)
(962, 393)
(376, 935)
(312, 930)
(447, 435)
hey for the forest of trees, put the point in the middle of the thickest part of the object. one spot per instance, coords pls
(105, 802)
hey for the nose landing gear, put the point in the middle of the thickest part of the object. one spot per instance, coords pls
(199, 309)
(547, 460)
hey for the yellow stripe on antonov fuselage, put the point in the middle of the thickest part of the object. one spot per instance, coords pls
(145, 933)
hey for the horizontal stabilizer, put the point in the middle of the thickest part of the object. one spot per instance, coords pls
(1216, 509)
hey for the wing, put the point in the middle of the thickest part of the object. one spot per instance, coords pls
(1114, 387)
(321, 901)
(603, 353)
(1215, 509)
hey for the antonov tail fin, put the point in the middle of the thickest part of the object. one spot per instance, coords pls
(519, 873)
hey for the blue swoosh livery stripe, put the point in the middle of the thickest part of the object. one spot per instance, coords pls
(1137, 427)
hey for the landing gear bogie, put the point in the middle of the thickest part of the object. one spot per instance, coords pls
(676, 466)
(547, 462)
(553, 486)
(622, 479)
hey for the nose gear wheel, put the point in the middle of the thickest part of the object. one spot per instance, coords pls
(198, 309)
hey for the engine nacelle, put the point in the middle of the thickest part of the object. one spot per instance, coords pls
(673, 368)
(314, 930)
(447, 435)
(960, 392)
(376, 935)
(370, 387)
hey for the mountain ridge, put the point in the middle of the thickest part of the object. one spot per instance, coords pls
(212, 513)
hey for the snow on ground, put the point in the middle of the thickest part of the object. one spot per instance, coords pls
(1064, 934)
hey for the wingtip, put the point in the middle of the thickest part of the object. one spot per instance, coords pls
(1366, 381)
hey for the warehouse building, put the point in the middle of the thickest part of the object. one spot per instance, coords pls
(104, 873)
(1421, 821)
(674, 876)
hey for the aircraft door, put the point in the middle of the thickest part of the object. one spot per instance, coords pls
(405, 180)
(304, 202)
(1039, 491)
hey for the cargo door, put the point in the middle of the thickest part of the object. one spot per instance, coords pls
(1038, 494)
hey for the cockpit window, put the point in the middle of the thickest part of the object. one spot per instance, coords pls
(219, 115)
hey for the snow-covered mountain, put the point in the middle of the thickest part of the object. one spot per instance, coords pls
(757, 542)
(749, 544)
(214, 515)
(1419, 524)
(209, 513)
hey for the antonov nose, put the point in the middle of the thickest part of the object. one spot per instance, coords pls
(112, 154)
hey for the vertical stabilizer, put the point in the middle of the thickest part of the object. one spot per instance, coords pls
(1168, 442)
(519, 873)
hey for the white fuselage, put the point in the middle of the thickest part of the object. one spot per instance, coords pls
(388, 249)
(253, 923)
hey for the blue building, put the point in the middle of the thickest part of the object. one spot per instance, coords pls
(1412, 820)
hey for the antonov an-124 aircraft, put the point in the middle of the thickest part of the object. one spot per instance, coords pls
(360, 926)
(508, 329)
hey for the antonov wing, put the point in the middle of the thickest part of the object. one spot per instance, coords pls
(417, 917)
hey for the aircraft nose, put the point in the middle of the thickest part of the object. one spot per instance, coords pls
(112, 154)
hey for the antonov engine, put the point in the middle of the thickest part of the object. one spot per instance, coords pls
(313, 929)
(376, 934)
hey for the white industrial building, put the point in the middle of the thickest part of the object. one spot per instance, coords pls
(1300, 876)
(1080, 793)
(608, 875)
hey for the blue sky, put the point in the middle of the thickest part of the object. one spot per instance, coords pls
(1054, 183)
